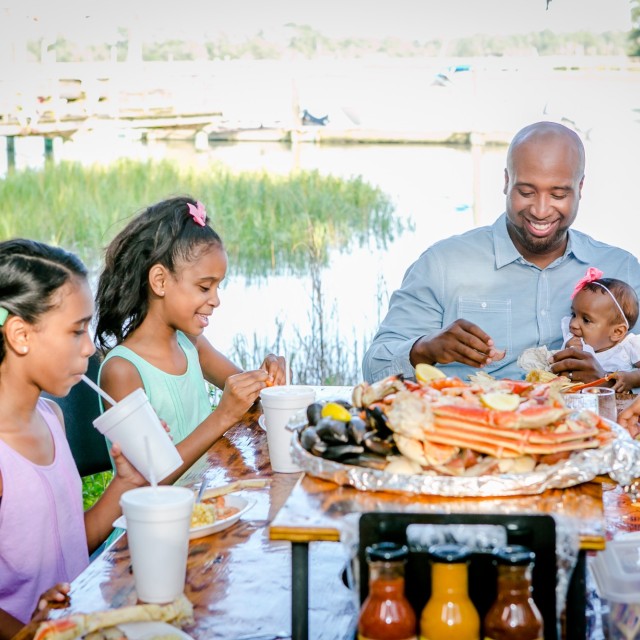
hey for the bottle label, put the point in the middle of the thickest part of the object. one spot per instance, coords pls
(361, 637)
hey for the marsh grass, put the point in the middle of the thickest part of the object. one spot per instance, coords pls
(264, 219)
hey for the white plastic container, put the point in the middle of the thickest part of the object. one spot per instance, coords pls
(617, 574)
(128, 423)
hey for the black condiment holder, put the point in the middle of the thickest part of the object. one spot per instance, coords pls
(537, 532)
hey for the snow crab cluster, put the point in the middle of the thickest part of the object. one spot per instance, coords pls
(446, 426)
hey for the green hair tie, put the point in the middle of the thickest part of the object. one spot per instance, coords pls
(3, 315)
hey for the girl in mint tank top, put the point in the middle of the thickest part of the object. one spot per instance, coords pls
(45, 310)
(156, 293)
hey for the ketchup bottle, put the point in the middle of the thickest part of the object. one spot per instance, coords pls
(386, 613)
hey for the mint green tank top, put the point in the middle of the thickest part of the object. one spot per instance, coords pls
(181, 401)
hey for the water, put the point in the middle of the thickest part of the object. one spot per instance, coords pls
(437, 190)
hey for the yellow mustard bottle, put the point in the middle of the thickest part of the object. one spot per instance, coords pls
(449, 613)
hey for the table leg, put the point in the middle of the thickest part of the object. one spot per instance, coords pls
(299, 590)
(576, 623)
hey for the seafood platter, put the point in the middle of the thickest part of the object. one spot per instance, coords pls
(445, 436)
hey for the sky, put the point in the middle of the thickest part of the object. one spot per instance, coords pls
(410, 19)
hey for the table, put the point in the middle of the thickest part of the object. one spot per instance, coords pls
(240, 580)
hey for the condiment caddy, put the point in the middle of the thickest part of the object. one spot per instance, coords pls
(470, 574)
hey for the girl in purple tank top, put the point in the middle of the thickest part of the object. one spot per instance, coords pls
(45, 538)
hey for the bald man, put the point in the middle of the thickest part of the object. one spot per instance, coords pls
(479, 299)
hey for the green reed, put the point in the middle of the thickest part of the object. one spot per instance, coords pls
(264, 219)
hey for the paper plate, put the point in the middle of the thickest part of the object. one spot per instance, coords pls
(242, 504)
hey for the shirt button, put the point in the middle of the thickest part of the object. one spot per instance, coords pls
(543, 313)
(484, 305)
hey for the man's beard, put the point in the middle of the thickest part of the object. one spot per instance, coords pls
(535, 245)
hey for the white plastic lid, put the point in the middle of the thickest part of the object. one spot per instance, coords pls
(617, 571)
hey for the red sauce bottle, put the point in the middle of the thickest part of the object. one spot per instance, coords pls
(514, 615)
(386, 613)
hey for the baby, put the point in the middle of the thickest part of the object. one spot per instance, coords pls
(602, 312)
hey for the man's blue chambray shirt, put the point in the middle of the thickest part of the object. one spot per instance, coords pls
(480, 276)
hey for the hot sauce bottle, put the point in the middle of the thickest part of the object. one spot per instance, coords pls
(449, 613)
(386, 613)
(514, 615)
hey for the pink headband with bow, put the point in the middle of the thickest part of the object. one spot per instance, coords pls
(198, 213)
(592, 275)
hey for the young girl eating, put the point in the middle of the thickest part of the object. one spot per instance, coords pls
(602, 311)
(45, 538)
(156, 293)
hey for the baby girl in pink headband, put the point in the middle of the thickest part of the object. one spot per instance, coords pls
(602, 313)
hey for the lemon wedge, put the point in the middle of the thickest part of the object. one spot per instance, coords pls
(427, 372)
(335, 411)
(500, 401)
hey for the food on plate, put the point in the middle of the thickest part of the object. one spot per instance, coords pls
(211, 510)
(100, 625)
(445, 426)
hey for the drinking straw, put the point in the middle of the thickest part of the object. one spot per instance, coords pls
(97, 389)
(152, 473)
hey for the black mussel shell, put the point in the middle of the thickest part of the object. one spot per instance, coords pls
(311, 441)
(377, 420)
(375, 444)
(314, 413)
(332, 431)
(339, 451)
(357, 429)
(368, 460)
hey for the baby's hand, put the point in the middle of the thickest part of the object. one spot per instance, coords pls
(574, 342)
(55, 598)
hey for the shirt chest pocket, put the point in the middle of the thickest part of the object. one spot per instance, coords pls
(492, 316)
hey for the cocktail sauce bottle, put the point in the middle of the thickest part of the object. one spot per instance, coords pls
(449, 613)
(514, 615)
(386, 613)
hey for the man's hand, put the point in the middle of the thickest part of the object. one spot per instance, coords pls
(462, 341)
(577, 365)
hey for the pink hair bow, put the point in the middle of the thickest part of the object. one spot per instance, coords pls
(592, 274)
(198, 213)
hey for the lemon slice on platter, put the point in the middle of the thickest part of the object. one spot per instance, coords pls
(335, 411)
(499, 401)
(427, 372)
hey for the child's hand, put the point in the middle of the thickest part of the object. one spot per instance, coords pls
(240, 392)
(275, 367)
(621, 384)
(574, 342)
(629, 418)
(55, 598)
(124, 469)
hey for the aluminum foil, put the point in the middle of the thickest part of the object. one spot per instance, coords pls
(620, 459)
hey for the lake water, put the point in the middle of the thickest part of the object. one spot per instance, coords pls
(438, 190)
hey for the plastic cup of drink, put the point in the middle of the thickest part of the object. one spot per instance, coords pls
(128, 423)
(158, 521)
(580, 401)
(606, 402)
(279, 404)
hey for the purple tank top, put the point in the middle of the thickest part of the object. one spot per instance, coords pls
(42, 535)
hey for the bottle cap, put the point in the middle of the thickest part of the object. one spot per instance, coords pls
(387, 552)
(515, 554)
(450, 553)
